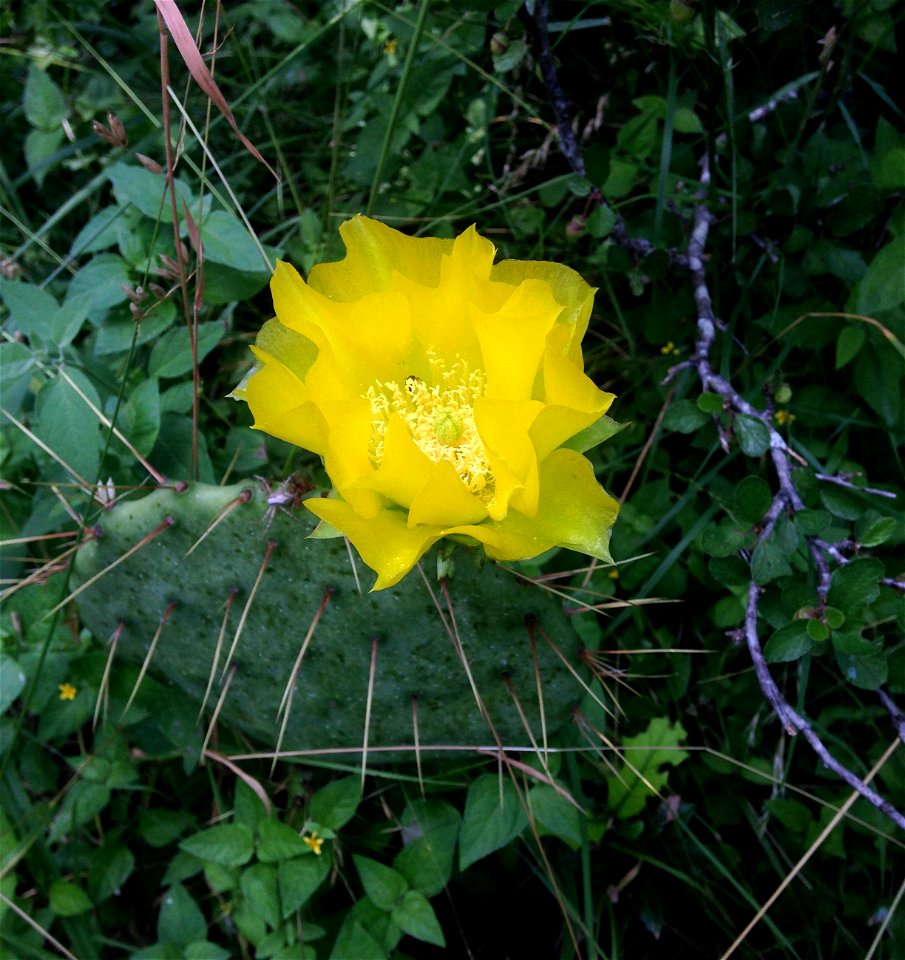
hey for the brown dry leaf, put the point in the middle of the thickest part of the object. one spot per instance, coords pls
(188, 49)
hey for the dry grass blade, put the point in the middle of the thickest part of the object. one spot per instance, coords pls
(191, 55)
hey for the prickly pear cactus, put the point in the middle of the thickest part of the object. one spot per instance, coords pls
(251, 597)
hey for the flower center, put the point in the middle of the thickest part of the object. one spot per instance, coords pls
(440, 418)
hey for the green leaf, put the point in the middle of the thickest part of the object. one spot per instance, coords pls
(601, 430)
(180, 920)
(205, 950)
(711, 403)
(260, 889)
(382, 884)
(68, 320)
(818, 631)
(753, 435)
(111, 867)
(871, 531)
(172, 354)
(40, 146)
(855, 585)
(31, 309)
(68, 899)
(790, 642)
(299, 878)
(493, 817)
(226, 240)
(752, 499)
(557, 815)
(334, 806)
(17, 362)
(769, 560)
(867, 673)
(429, 831)
(355, 943)
(142, 416)
(684, 416)
(101, 280)
(417, 918)
(82, 804)
(641, 775)
(229, 844)
(146, 191)
(850, 340)
(883, 286)
(601, 221)
(43, 101)
(277, 841)
(158, 826)
(12, 681)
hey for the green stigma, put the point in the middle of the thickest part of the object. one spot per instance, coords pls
(448, 427)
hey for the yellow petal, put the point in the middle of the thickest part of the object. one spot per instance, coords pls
(513, 340)
(574, 511)
(404, 469)
(570, 290)
(386, 544)
(444, 500)
(280, 405)
(504, 427)
(374, 252)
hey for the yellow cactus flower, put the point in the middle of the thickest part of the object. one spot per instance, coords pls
(446, 395)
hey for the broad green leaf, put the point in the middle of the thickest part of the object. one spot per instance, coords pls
(101, 279)
(277, 841)
(429, 830)
(68, 320)
(99, 233)
(601, 221)
(382, 884)
(684, 416)
(40, 146)
(855, 585)
(171, 356)
(226, 240)
(355, 943)
(753, 435)
(790, 642)
(417, 918)
(68, 425)
(299, 878)
(146, 191)
(752, 499)
(850, 340)
(159, 826)
(868, 670)
(17, 362)
(769, 560)
(82, 803)
(12, 680)
(334, 806)
(871, 531)
(142, 416)
(205, 950)
(709, 403)
(32, 310)
(43, 101)
(229, 844)
(111, 867)
(68, 899)
(180, 920)
(557, 815)
(641, 775)
(261, 892)
(883, 286)
(493, 816)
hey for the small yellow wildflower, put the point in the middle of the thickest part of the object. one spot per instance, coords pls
(390, 47)
(443, 392)
(67, 691)
(782, 417)
(670, 347)
(315, 842)
(613, 574)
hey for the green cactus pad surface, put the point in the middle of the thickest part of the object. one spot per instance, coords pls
(293, 583)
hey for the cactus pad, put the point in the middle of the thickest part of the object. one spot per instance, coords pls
(273, 587)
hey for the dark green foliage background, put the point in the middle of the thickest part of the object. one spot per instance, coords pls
(795, 104)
